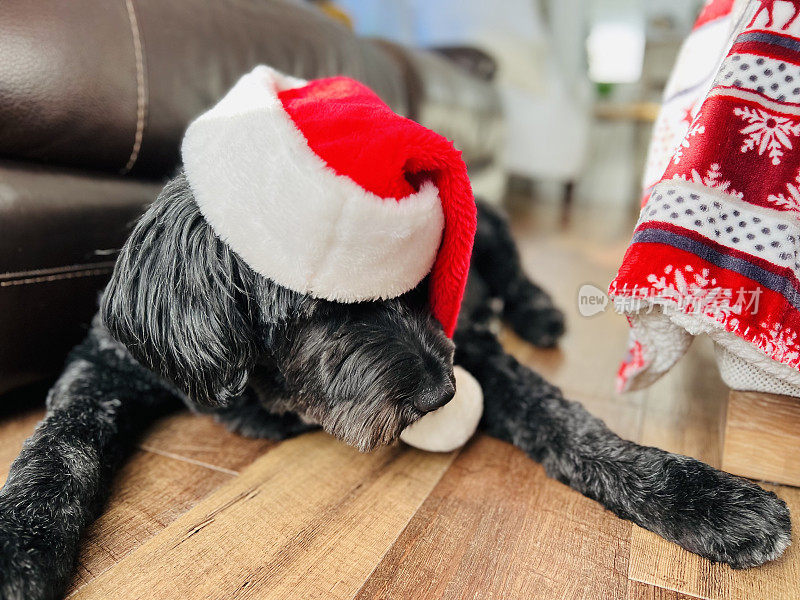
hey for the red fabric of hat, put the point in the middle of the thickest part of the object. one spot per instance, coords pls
(359, 136)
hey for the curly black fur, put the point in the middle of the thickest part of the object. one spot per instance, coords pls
(185, 320)
(711, 513)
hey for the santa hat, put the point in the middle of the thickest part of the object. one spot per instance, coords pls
(320, 187)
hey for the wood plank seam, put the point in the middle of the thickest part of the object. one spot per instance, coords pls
(667, 587)
(193, 461)
(405, 527)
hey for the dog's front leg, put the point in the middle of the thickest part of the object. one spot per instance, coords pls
(60, 479)
(526, 306)
(714, 514)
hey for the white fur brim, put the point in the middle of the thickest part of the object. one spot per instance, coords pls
(291, 217)
(450, 426)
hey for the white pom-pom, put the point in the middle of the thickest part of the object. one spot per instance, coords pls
(453, 424)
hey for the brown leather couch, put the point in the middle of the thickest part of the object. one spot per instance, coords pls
(94, 99)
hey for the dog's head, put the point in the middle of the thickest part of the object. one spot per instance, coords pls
(190, 309)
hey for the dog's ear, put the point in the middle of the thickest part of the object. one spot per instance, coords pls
(179, 300)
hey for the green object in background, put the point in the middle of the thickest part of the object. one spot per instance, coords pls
(604, 90)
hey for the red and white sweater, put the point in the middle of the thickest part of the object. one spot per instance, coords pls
(716, 250)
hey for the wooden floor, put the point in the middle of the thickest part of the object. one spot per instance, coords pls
(198, 513)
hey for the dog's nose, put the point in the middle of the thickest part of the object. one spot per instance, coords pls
(435, 398)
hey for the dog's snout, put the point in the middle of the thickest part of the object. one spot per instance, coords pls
(434, 398)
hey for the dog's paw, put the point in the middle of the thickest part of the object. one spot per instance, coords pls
(541, 326)
(726, 518)
(755, 527)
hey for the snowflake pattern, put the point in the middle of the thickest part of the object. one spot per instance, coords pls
(779, 342)
(694, 291)
(790, 200)
(712, 179)
(766, 132)
(695, 129)
(768, 7)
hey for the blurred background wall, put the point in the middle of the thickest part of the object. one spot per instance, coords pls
(580, 80)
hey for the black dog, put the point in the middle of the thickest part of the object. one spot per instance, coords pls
(185, 320)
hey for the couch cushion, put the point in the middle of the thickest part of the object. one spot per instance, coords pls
(61, 235)
(112, 85)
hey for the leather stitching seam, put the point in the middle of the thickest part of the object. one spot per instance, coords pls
(141, 95)
(58, 277)
(56, 270)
